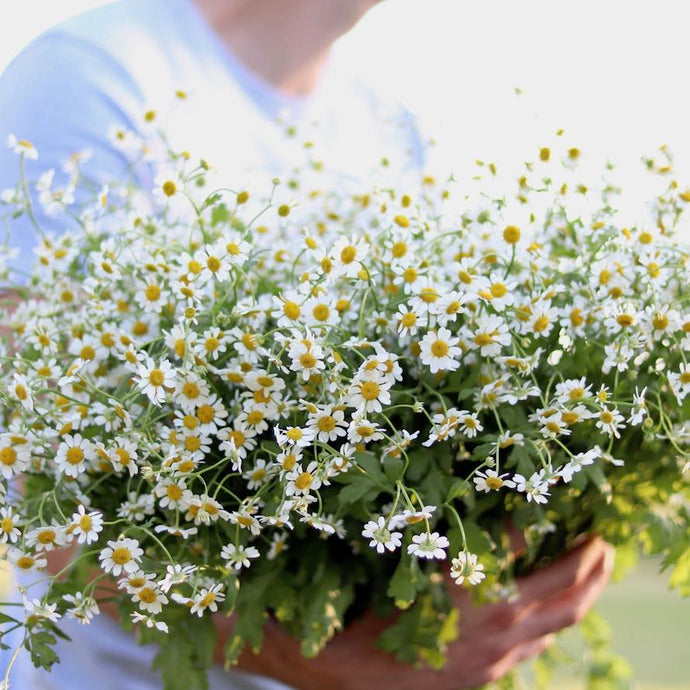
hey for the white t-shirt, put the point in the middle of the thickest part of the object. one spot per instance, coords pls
(107, 67)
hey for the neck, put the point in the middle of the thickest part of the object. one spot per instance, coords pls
(284, 42)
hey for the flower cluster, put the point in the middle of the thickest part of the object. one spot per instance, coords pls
(221, 396)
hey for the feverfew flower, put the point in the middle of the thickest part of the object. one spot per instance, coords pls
(155, 380)
(238, 557)
(466, 568)
(121, 556)
(439, 351)
(86, 526)
(428, 545)
(491, 481)
(381, 536)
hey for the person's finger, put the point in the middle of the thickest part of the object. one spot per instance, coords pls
(565, 608)
(517, 655)
(575, 566)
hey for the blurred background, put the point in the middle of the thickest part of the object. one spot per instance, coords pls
(494, 80)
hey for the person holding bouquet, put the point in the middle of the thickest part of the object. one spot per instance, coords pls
(244, 73)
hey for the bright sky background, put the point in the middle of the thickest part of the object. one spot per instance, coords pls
(612, 73)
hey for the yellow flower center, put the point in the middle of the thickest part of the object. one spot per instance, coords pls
(408, 320)
(156, 377)
(429, 295)
(255, 417)
(169, 188)
(123, 456)
(439, 348)
(190, 390)
(295, 433)
(174, 492)
(87, 352)
(570, 417)
(147, 595)
(249, 341)
(206, 414)
(511, 235)
(304, 481)
(494, 482)
(321, 312)
(192, 443)
(47, 537)
(498, 290)
(541, 324)
(576, 393)
(212, 344)
(326, 423)
(410, 274)
(25, 562)
(237, 437)
(685, 377)
(370, 390)
(348, 254)
(152, 292)
(399, 249)
(291, 310)
(307, 360)
(213, 264)
(74, 455)
(576, 318)
(625, 320)
(258, 474)
(121, 556)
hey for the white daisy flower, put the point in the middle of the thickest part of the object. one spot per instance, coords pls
(154, 380)
(381, 536)
(238, 557)
(466, 568)
(123, 555)
(439, 351)
(207, 599)
(73, 455)
(491, 481)
(86, 526)
(428, 545)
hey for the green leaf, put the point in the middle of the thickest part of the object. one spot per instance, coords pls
(680, 575)
(393, 468)
(596, 475)
(406, 582)
(372, 467)
(251, 615)
(185, 653)
(360, 488)
(421, 633)
(458, 489)
(40, 645)
(326, 601)
(220, 214)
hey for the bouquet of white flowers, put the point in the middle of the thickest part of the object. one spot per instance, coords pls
(314, 403)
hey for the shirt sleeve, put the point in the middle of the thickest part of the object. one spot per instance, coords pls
(63, 94)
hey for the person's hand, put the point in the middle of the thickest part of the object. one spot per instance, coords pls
(493, 638)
